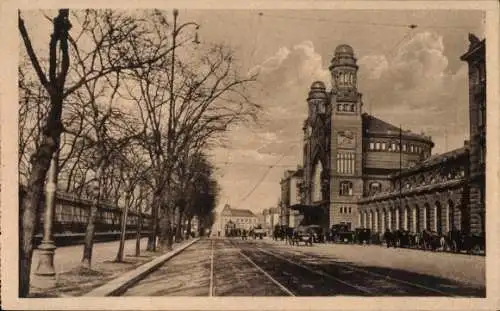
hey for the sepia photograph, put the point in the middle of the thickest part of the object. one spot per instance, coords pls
(174, 152)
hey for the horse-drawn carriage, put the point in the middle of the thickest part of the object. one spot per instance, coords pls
(301, 235)
(340, 233)
(363, 236)
(259, 233)
(279, 232)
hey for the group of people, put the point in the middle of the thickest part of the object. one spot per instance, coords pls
(455, 240)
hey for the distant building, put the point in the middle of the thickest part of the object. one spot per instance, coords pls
(475, 57)
(290, 196)
(236, 218)
(271, 218)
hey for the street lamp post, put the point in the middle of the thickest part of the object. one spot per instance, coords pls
(171, 130)
(45, 275)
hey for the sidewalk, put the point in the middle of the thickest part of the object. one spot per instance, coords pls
(73, 281)
(69, 257)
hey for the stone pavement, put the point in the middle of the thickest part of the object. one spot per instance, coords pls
(469, 269)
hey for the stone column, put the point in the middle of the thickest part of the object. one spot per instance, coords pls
(397, 218)
(414, 219)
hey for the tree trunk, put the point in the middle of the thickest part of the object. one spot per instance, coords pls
(123, 233)
(170, 232)
(154, 225)
(165, 230)
(138, 233)
(178, 231)
(29, 211)
(89, 234)
(188, 228)
(34, 193)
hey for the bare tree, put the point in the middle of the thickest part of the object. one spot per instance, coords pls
(54, 85)
(133, 176)
(33, 106)
(208, 97)
(106, 36)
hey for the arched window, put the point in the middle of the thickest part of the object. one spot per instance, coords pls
(383, 146)
(377, 146)
(427, 217)
(345, 188)
(316, 184)
(416, 218)
(438, 218)
(372, 146)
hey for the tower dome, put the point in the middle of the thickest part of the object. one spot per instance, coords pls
(343, 56)
(317, 91)
(318, 85)
(344, 49)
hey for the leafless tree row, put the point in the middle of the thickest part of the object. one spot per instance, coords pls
(129, 123)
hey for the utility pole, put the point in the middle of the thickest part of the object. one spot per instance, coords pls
(170, 217)
(401, 168)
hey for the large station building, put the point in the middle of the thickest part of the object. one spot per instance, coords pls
(361, 171)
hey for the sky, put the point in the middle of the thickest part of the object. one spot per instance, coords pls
(413, 77)
(410, 77)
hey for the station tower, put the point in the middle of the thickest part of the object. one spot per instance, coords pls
(346, 146)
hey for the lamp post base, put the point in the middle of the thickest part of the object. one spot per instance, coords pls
(45, 275)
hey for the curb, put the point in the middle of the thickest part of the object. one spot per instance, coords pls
(119, 285)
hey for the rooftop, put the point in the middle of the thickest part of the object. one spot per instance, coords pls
(234, 212)
(373, 124)
(436, 160)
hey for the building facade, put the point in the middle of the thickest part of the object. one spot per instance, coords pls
(475, 57)
(236, 219)
(290, 196)
(361, 171)
(271, 217)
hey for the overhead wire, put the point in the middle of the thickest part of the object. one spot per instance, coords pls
(264, 176)
(363, 23)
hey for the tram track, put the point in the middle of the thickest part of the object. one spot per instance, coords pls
(230, 267)
(302, 279)
(246, 277)
(403, 286)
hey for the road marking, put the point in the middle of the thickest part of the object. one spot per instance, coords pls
(211, 289)
(317, 272)
(388, 277)
(283, 288)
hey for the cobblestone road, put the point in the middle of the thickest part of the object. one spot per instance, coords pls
(232, 267)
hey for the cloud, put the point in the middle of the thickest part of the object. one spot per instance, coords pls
(416, 81)
(284, 79)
